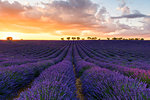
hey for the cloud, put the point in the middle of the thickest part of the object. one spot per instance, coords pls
(122, 26)
(123, 7)
(77, 15)
(146, 25)
(132, 31)
(69, 17)
(126, 13)
(130, 16)
(72, 11)
(15, 8)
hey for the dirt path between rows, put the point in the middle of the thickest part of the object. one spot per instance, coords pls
(79, 93)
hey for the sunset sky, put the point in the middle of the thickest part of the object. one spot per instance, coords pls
(53, 19)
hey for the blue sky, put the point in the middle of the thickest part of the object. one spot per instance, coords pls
(141, 5)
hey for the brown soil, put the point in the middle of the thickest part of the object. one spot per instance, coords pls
(79, 93)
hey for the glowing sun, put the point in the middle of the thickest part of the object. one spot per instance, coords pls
(4, 35)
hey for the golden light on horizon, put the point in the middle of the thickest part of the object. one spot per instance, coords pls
(28, 36)
(14, 35)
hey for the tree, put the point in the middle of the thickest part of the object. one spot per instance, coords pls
(142, 38)
(89, 38)
(120, 38)
(73, 38)
(9, 38)
(114, 38)
(83, 39)
(124, 39)
(131, 38)
(94, 38)
(108, 38)
(62, 38)
(68, 38)
(78, 38)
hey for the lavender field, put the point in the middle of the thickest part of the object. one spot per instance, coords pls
(75, 70)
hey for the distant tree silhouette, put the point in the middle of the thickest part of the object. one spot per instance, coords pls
(78, 38)
(119, 38)
(62, 38)
(9, 38)
(131, 38)
(94, 38)
(83, 39)
(89, 38)
(68, 38)
(73, 38)
(99, 39)
(137, 39)
(108, 38)
(114, 38)
(124, 39)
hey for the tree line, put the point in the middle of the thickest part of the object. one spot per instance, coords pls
(95, 38)
(115, 38)
(79, 38)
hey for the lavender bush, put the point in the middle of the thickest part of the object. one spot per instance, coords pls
(56, 82)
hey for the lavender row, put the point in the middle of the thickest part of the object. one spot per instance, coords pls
(127, 51)
(31, 60)
(27, 51)
(121, 62)
(56, 82)
(127, 62)
(100, 83)
(141, 74)
(14, 78)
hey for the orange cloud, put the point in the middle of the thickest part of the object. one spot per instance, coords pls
(58, 15)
